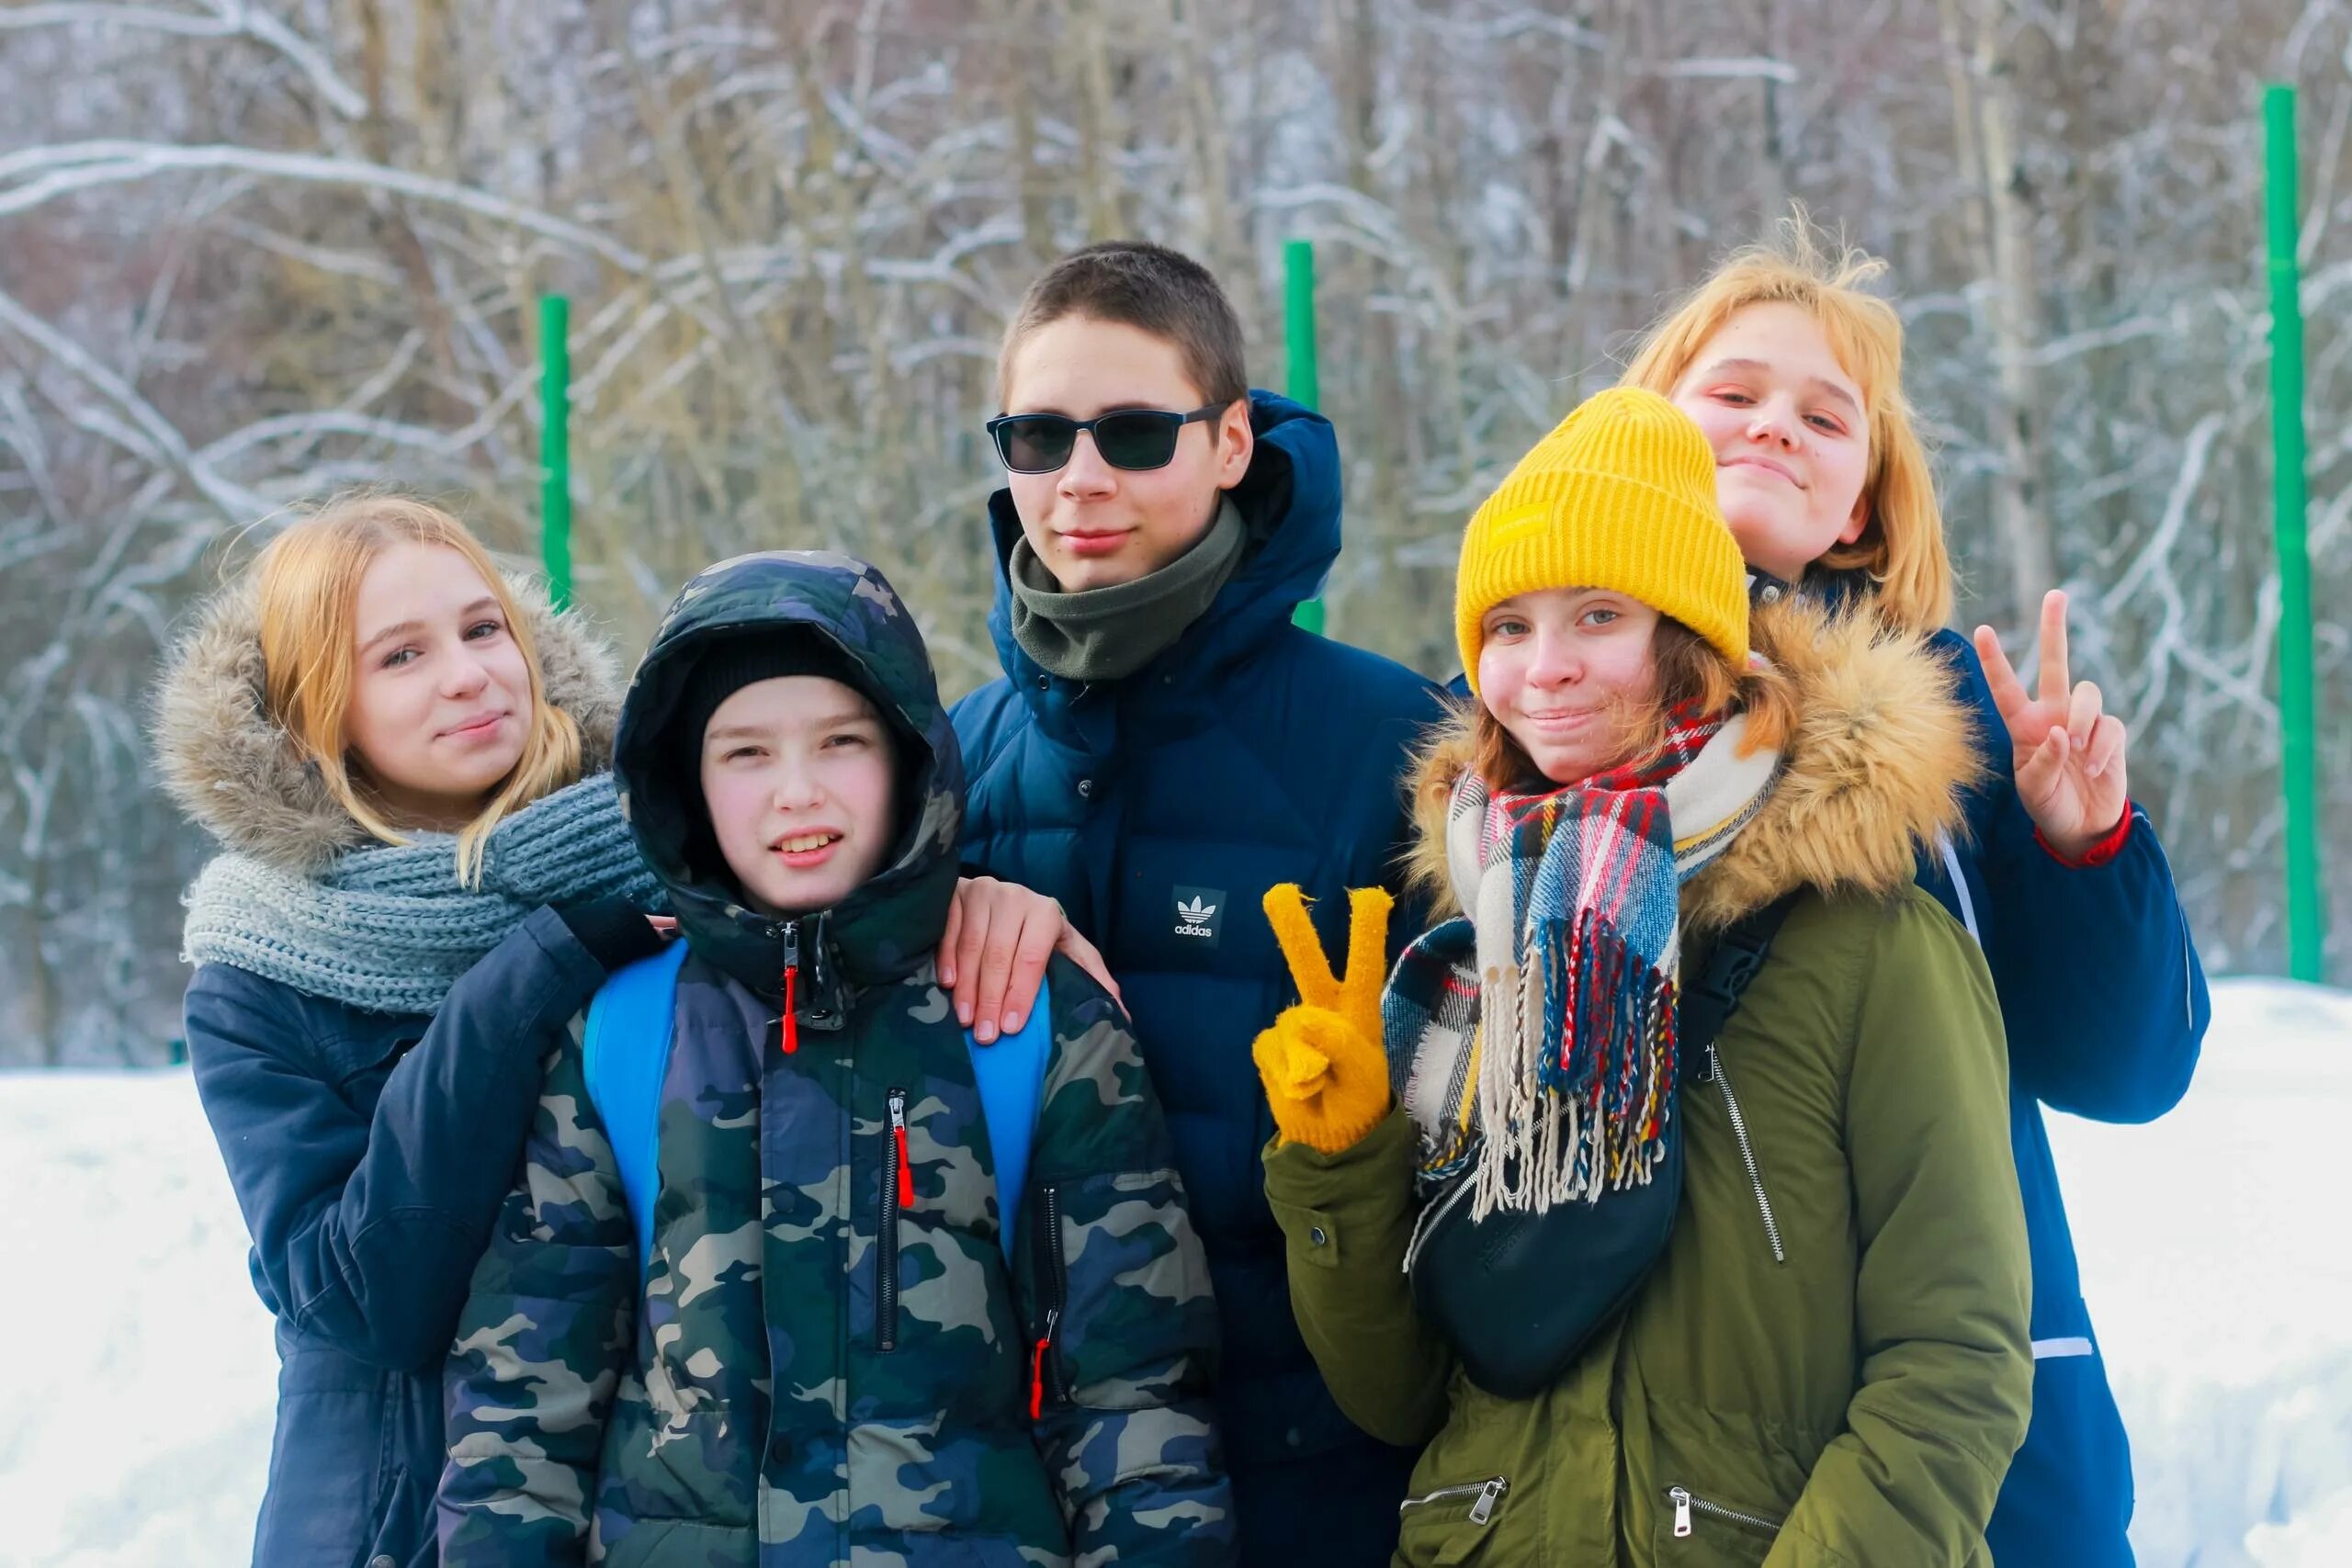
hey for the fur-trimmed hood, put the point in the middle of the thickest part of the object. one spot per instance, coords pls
(240, 776)
(1874, 771)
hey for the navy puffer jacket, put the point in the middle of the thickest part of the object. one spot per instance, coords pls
(2105, 1006)
(1159, 809)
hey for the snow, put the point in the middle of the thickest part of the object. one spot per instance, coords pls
(135, 1409)
(2214, 1259)
(140, 1382)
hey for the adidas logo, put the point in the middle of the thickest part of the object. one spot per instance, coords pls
(1196, 913)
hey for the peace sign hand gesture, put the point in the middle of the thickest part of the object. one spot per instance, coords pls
(2069, 753)
(1325, 1074)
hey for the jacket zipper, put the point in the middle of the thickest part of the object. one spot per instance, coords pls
(1044, 1374)
(1038, 1365)
(1720, 1070)
(787, 1023)
(1486, 1493)
(1685, 1504)
(897, 1195)
(1432, 1215)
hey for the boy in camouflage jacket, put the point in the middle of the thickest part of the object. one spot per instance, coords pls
(826, 1355)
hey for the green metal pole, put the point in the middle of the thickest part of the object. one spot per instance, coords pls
(1298, 341)
(555, 444)
(1299, 322)
(2301, 782)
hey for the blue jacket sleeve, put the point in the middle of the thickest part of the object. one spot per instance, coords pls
(366, 1227)
(2100, 989)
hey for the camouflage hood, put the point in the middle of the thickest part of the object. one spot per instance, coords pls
(846, 1339)
(890, 926)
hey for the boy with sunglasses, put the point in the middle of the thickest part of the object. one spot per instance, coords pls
(1165, 747)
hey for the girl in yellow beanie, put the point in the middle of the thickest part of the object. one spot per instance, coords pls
(1827, 1362)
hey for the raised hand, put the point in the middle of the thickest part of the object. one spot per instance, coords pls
(1324, 1071)
(2069, 752)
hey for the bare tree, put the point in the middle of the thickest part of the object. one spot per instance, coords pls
(269, 248)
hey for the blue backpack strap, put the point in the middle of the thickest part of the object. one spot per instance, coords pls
(624, 1057)
(1012, 1079)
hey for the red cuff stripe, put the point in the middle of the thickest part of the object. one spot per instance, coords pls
(2099, 854)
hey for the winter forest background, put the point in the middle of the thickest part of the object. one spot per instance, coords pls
(252, 252)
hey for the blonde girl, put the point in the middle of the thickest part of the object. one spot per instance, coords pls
(1794, 368)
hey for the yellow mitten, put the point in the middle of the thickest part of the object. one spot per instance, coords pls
(1325, 1072)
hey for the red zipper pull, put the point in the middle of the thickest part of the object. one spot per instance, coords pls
(790, 1033)
(787, 1028)
(899, 1130)
(1037, 1368)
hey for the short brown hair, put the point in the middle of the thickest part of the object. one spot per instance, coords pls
(1150, 287)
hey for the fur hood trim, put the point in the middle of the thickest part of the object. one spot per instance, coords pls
(240, 776)
(1873, 774)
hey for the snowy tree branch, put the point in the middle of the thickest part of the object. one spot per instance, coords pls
(229, 18)
(84, 166)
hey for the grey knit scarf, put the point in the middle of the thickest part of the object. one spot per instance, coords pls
(1108, 634)
(387, 928)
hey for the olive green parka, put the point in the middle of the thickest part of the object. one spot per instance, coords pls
(1830, 1366)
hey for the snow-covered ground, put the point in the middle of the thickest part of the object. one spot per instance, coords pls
(137, 1377)
(2217, 1260)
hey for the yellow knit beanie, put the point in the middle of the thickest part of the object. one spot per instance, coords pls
(1621, 496)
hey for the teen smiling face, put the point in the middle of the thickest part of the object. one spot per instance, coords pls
(1561, 669)
(1791, 441)
(1094, 525)
(798, 776)
(441, 702)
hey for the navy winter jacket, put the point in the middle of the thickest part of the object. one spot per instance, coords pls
(2106, 1008)
(1159, 809)
(369, 1153)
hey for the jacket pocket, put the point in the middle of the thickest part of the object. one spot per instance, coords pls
(1119, 1304)
(1699, 1527)
(357, 1065)
(334, 1494)
(693, 1466)
(1450, 1524)
(1716, 1071)
(1049, 1383)
(402, 1534)
(681, 1543)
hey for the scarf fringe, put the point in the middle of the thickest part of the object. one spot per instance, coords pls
(1534, 1041)
(1580, 1106)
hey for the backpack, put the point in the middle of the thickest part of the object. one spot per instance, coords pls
(627, 1055)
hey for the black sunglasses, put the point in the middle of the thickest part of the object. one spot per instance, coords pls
(1128, 438)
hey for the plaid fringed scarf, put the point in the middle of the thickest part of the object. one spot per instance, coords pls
(1536, 1037)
